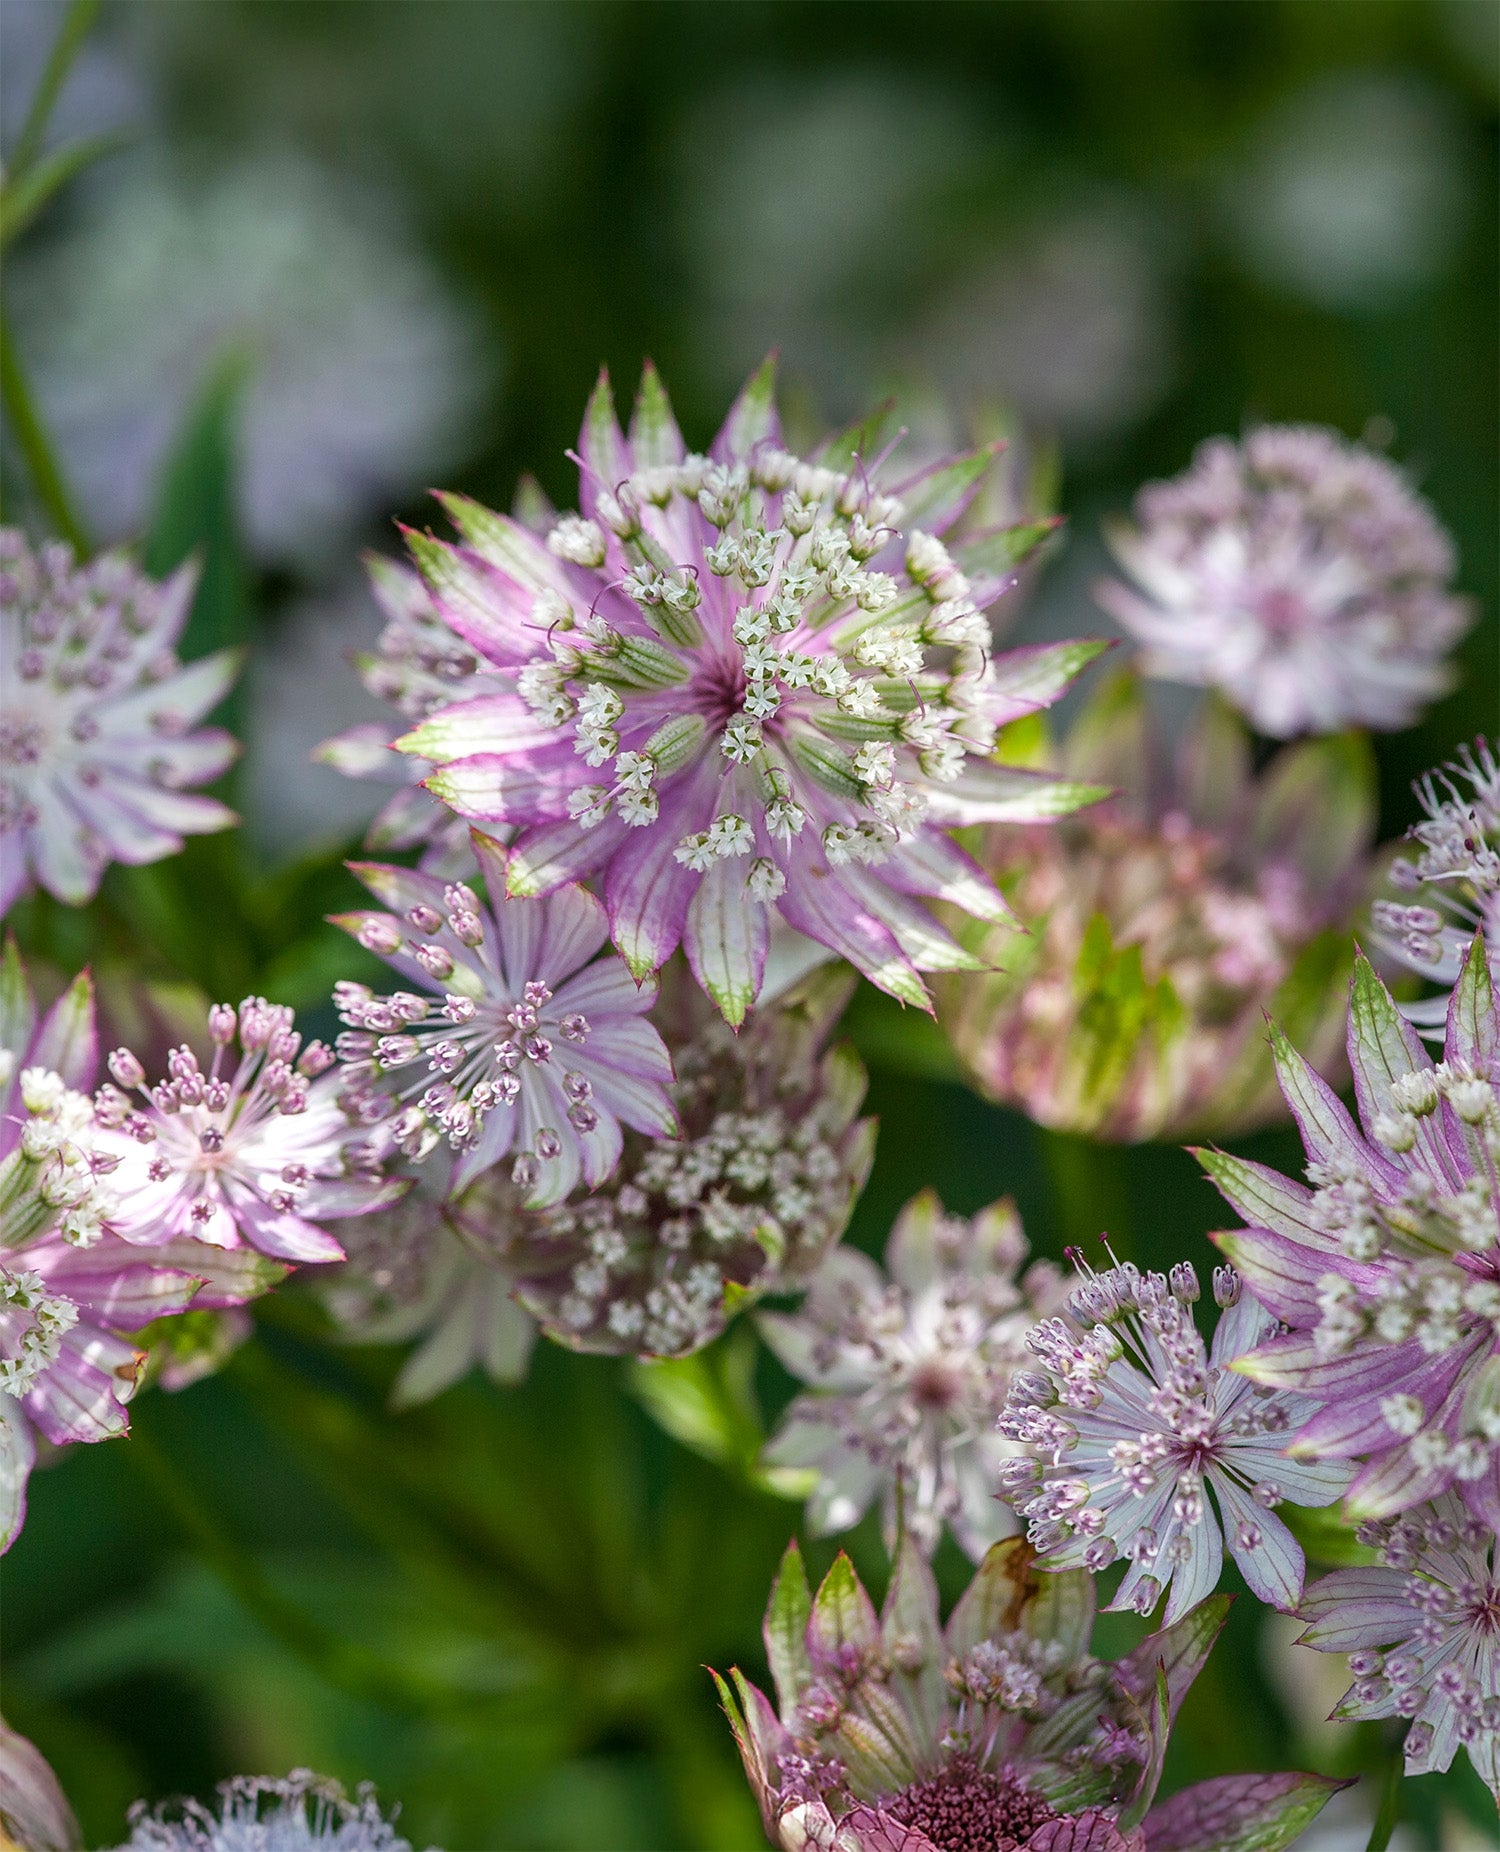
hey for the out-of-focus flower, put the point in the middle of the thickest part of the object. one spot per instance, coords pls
(1130, 1422)
(362, 369)
(1298, 573)
(1165, 923)
(539, 1047)
(748, 1201)
(68, 1284)
(909, 1374)
(97, 746)
(1453, 883)
(1422, 1632)
(413, 1273)
(301, 1813)
(418, 665)
(1354, 193)
(739, 691)
(896, 1734)
(1387, 1269)
(34, 1811)
(257, 1152)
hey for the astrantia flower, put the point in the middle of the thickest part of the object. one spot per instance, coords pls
(97, 746)
(68, 1285)
(996, 1733)
(1131, 1424)
(301, 1813)
(747, 1201)
(1422, 1632)
(257, 1152)
(736, 689)
(413, 1273)
(1165, 923)
(909, 1374)
(34, 1811)
(1300, 574)
(539, 1048)
(1387, 1269)
(1453, 882)
(418, 666)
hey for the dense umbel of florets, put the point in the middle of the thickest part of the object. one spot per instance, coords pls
(748, 1201)
(742, 685)
(1422, 1632)
(1164, 924)
(1298, 573)
(97, 718)
(909, 1374)
(995, 1733)
(1386, 1264)
(1146, 1445)
(1452, 884)
(302, 1812)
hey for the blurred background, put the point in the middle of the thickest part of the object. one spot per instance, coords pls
(348, 251)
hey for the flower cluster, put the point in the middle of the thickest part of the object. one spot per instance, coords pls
(538, 1048)
(1164, 924)
(1386, 1265)
(301, 1813)
(97, 718)
(909, 1374)
(1422, 1632)
(418, 666)
(1130, 1424)
(735, 688)
(748, 1201)
(1298, 573)
(1452, 884)
(897, 1734)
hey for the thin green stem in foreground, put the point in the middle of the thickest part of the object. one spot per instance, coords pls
(74, 30)
(45, 471)
(1389, 1811)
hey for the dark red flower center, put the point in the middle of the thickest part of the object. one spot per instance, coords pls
(968, 1809)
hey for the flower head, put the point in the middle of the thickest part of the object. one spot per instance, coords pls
(736, 689)
(256, 1152)
(97, 746)
(1453, 882)
(1422, 1631)
(538, 1049)
(1298, 573)
(418, 666)
(909, 1374)
(1164, 924)
(1386, 1264)
(301, 1813)
(1131, 1424)
(1000, 1730)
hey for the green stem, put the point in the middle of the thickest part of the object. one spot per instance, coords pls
(1389, 1811)
(73, 31)
(46, 474)
(1090, 1186)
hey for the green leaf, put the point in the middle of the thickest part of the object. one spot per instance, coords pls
(707, 1401)
(23, 195)
(787, 1616)
(77, 22)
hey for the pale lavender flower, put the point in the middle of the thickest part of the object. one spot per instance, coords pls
(747, 1201)
(1300, 574)
(34, 1811)
(1387, 1268)
(539, 1048)
(998, 1732)
(909, 1374)
(1422, 1631)
(258, 1152)
(302, 1812)
(737, 690)
(419, 665)
(1131, 1423)
(97, 746)
(1453, 883)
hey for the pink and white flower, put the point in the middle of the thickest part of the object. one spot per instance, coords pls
(1299, 574)
(735, 688)
(97, 746)
(539, 1048)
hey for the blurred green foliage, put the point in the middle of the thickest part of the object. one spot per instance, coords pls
(498, 1607)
